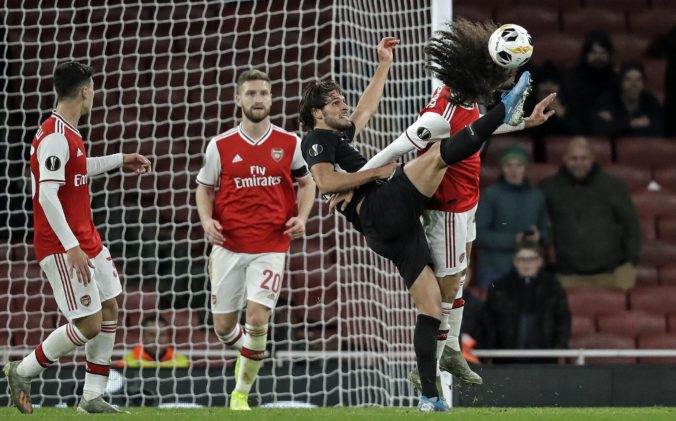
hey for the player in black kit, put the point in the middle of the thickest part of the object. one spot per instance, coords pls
(387, 201)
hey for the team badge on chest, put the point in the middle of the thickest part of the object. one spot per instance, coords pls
(277, 154)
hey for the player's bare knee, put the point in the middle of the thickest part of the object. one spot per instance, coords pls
(89, 326)
(109, 309)
(450, 285)
(225, 323)
(258, 318)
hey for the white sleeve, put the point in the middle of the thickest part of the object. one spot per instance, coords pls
(506, 128)
(49, 200)
(211, 169)
(427, 128)
(298, 165)
(52, 154)
(101, 164)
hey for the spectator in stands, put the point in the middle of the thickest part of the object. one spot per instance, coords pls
(670, 83)
(628, 109)
(547, 79)
(595, 228)
(509, 211)
(528, 307)
(593, 75)
(155, 349)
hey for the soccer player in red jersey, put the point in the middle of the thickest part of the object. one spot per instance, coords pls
(458, 58)
(79, 268)
(247, 205)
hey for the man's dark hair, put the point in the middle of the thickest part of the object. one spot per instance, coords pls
(459, 58)
(528, 245)
(632, 65)
(250, 75)
(69, 77)
(154, 319)
(315, 96)
(597, 37)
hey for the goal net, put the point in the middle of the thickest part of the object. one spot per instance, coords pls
(165, 77)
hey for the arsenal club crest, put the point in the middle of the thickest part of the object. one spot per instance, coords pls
(86, 300)
(277, 154)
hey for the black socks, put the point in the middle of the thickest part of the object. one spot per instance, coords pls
(425, 344)
(469, 140)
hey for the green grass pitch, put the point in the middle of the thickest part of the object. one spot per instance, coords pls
(365, 414)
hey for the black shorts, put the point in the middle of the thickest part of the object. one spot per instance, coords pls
(390, 221)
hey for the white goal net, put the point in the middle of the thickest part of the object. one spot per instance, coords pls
(165, 76)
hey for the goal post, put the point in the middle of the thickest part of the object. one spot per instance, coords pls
(165, 75)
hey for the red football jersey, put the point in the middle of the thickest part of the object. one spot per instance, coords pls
(459, 190)
(254, 187)
(58, 155)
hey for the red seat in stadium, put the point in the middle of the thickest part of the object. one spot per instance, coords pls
(632, 323)
(564, 50)
(648, 227)
(482, 3)
(314, 298)
(657, 253)
(138, 304)
(556, 147)
(536, 172)
(629, 47)
(582, 21)
(605, 341)
(553, 4)
(646, 151)
(620, 5)
(29, 330)
(489, 174)
(660, 300)
(657, 341)
(668, 274)
(582, 325)
(665, 176)
(651, 22)
(537, 20)
(498, 143)
(666, 228)
(636, 179)
(473, 13)
(656, 71)
(593, 301)
(654, 204)
(647, 275)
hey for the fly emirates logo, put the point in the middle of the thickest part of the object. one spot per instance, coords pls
(257, 179)
(80, 180)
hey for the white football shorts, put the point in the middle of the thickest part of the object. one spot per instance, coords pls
(448, 234)
(238, 277)
(76, 300)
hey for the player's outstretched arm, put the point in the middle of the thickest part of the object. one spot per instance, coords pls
(204, 197)
(368, 103)
(330, 181)
(137, 163)
(129, 161)
(307, 189)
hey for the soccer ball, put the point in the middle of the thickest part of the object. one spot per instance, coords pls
(510, 46)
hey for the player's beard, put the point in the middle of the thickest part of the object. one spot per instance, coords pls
(256, 116)
(337, 123)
